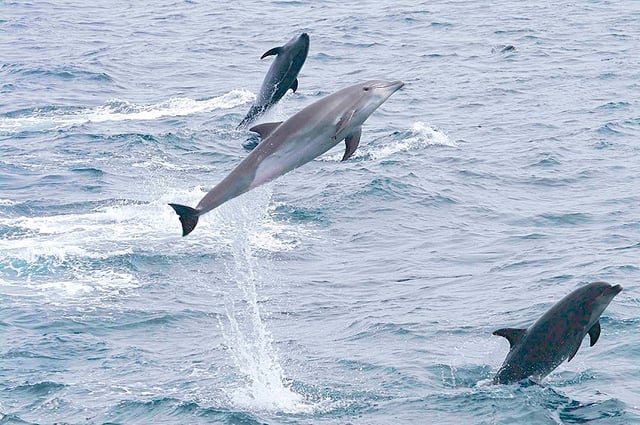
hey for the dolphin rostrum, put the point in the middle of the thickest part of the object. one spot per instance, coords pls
(306, 135)
(282, 76)
(556, 336)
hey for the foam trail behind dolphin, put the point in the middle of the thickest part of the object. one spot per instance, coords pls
(116, 110)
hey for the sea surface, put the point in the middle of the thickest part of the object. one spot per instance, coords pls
(504, 175)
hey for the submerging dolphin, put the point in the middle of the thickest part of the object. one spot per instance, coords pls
(306, 135)
(282, 76)
(557, 335)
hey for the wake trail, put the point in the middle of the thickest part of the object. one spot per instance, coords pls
(117, 110)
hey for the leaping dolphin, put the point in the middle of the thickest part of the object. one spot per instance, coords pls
(303, 137)
(282, 75)
(557, 335)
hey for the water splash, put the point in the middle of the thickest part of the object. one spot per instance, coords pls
(250, 344)
(424, 134)
(118, 110)
(418, 137)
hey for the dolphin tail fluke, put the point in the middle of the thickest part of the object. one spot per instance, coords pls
(188, 217)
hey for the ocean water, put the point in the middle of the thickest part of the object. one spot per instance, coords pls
(501, 177)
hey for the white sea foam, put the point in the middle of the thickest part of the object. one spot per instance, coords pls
(419, 136)
(75, 285)
(121, 110)
(70, 288)
(117, 229)
(57, 253)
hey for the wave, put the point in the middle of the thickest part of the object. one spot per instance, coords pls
(45, 119)
(66, 254)
(60, 72)
(418, 137)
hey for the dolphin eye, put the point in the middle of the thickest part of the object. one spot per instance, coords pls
(366, 89)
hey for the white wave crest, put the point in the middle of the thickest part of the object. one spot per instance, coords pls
(7, 202)
(119, 110)
(58, 252)
(419, 136)
(426, 135)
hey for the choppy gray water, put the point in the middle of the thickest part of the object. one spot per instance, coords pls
(500, 178)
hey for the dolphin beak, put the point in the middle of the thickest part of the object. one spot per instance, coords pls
(397, 85)
(615, 290)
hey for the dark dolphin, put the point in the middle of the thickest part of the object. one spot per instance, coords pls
(282, 76)
(298, 140)
(557, 335)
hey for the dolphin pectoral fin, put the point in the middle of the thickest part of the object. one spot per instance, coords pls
(274, 51)
(352, 142)
(513, 335)
(265, 129)
(188, 217)
(294, 86)
(573, 354)
(594, 333)
(344, 122)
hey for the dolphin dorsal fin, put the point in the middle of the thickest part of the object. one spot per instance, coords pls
(294, 86)
(352, 142)
(265, 129)
(274, 51)
(513, 335)
(594, 333)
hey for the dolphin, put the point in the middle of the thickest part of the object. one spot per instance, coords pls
(287, 145)
(282, 75)
(557, 335)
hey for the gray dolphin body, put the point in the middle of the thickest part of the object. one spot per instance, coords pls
(282, 76)
(557, 335)
(303, 137)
